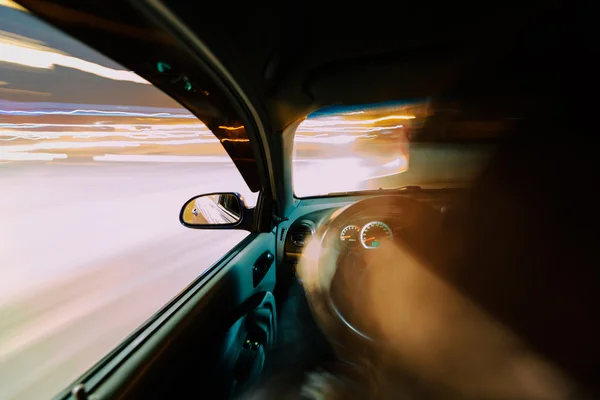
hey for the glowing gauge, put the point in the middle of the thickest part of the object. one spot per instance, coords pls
(350, 235)
(374, 234)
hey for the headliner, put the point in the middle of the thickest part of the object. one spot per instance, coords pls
(297, 60)
(291, 61)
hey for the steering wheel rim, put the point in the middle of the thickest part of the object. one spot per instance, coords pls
(328, 313)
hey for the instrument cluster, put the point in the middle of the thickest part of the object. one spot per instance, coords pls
(369, 236)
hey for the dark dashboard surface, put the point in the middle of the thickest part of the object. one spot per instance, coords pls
(363, 231)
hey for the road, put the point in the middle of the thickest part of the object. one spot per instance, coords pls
(207, 210)
(88, 253)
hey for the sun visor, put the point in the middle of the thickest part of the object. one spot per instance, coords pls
(409, 75)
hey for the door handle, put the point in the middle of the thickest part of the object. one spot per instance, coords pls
(261, 267)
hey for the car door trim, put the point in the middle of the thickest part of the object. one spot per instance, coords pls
(176, 25)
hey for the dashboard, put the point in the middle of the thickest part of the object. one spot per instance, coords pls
(364, 232)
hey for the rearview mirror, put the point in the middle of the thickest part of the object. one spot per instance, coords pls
(214, 211)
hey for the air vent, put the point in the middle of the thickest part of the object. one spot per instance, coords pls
(300, 234)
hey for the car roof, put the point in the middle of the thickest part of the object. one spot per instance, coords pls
(298, 60)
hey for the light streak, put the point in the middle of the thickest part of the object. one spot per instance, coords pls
(89, 145)
(157, 127)
(36, 135)
(12, 4)
(31, 156)
(346, 129)
(29, 54)
(328, 122)
(239, 140)
(353, 113)
(340, 139)
(92, 113)
(162, 158)
(27, 131)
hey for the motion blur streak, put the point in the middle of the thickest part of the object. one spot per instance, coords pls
(115, 113)
(163, 158)
(29, 54)
(345, 129)
(328, 121)
(11, 4)
(326, 140)
(231, 128)
(337, 174)
(6, 156)
(430, 328)
(196, 128)
(90, 251)
(88, 145)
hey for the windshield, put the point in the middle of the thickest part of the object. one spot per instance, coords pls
(348, 149)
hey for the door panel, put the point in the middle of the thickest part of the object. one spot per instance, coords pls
(245, 344)
(213, 337)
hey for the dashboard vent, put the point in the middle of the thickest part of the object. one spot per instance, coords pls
(300, 234)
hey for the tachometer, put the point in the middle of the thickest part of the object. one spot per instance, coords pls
(374, 234)
(350, 235)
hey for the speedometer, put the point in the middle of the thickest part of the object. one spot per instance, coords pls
(350, 235)
(374, 234)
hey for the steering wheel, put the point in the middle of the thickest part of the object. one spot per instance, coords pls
(336, 289)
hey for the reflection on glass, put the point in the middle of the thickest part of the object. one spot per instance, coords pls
(213, 209)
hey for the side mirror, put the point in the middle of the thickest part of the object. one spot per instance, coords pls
(216, 211)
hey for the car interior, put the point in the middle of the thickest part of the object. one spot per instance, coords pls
(518, 242)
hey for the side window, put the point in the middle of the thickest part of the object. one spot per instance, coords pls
(95, 164)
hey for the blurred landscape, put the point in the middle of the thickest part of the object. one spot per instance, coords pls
(88, 254)
(95, 165)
